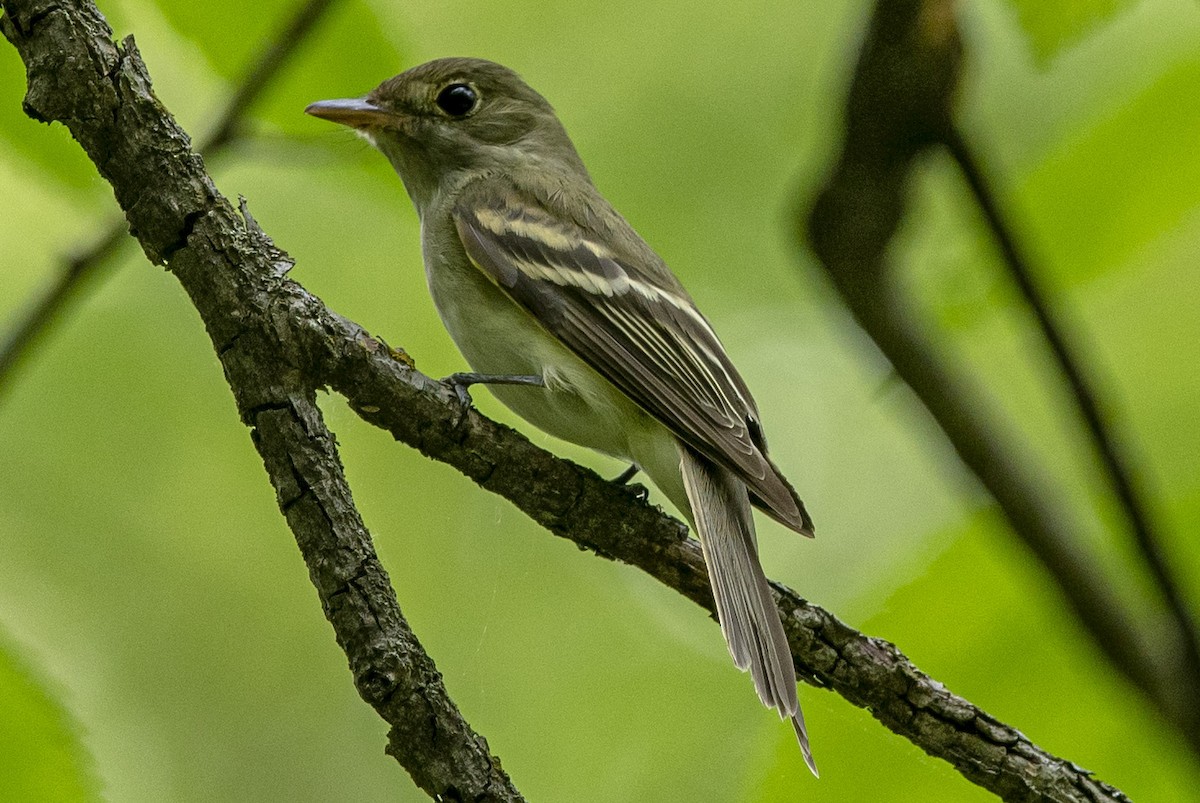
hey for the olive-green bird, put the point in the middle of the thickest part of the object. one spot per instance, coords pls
(580, 328)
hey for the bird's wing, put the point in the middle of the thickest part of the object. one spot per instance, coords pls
(640, 332)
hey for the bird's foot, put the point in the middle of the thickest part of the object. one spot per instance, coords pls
(636, 490)
(461, 381)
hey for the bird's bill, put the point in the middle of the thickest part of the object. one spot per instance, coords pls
(354, 112)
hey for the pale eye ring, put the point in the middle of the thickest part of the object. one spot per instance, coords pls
(458, 100)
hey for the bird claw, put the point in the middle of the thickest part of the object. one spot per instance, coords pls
(460, 383)
(638, 491)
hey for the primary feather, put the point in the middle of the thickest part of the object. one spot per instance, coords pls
(630, 320)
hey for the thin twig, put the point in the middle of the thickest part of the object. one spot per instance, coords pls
(77, 270)
(44, 312)
(265, 68)
(1135, 507)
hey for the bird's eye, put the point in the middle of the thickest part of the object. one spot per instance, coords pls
(458, 100)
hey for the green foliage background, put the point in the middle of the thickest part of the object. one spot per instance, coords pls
(159, 639)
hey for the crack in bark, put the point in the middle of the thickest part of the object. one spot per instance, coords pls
(189, 225)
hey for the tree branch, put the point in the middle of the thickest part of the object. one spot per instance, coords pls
(77, 75)
(276, 343)
(42, 314)
(900, 104)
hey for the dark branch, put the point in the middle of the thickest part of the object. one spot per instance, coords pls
(101, 91)
(604, 517)
(900, 105)
(277, 343)
(1115, 464)
(79, 269)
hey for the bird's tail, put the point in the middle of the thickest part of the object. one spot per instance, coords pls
(745, 608)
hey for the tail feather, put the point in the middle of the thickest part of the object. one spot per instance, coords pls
(746, 609)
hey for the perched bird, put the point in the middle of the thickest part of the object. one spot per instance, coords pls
(580, 328)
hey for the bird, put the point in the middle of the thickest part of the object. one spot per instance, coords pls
(579, 327)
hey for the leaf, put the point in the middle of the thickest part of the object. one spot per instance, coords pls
(346, 53)
(1126, 182)
(227, 32)
(1051, 27)
(52, 151)
(346, 57)
(41, 757)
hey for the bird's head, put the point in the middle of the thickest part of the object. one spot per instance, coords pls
(455, 115)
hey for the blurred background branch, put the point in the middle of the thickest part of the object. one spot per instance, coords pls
(1183, 690)
(899, 106)
(87, 262)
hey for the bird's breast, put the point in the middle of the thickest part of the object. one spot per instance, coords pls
(496, 336)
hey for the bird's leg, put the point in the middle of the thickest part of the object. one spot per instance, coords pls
(637, 490)
(461, 381)
(625, 476)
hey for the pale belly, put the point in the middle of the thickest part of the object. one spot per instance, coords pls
(577, 405)
(498, 337)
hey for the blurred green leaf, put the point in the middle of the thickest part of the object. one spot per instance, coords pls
(1052, 26)
(41, 757)
(227, 32)
(1121, 184)
(983, 620)
(48, 148)
(347, 56)
(346, 53)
